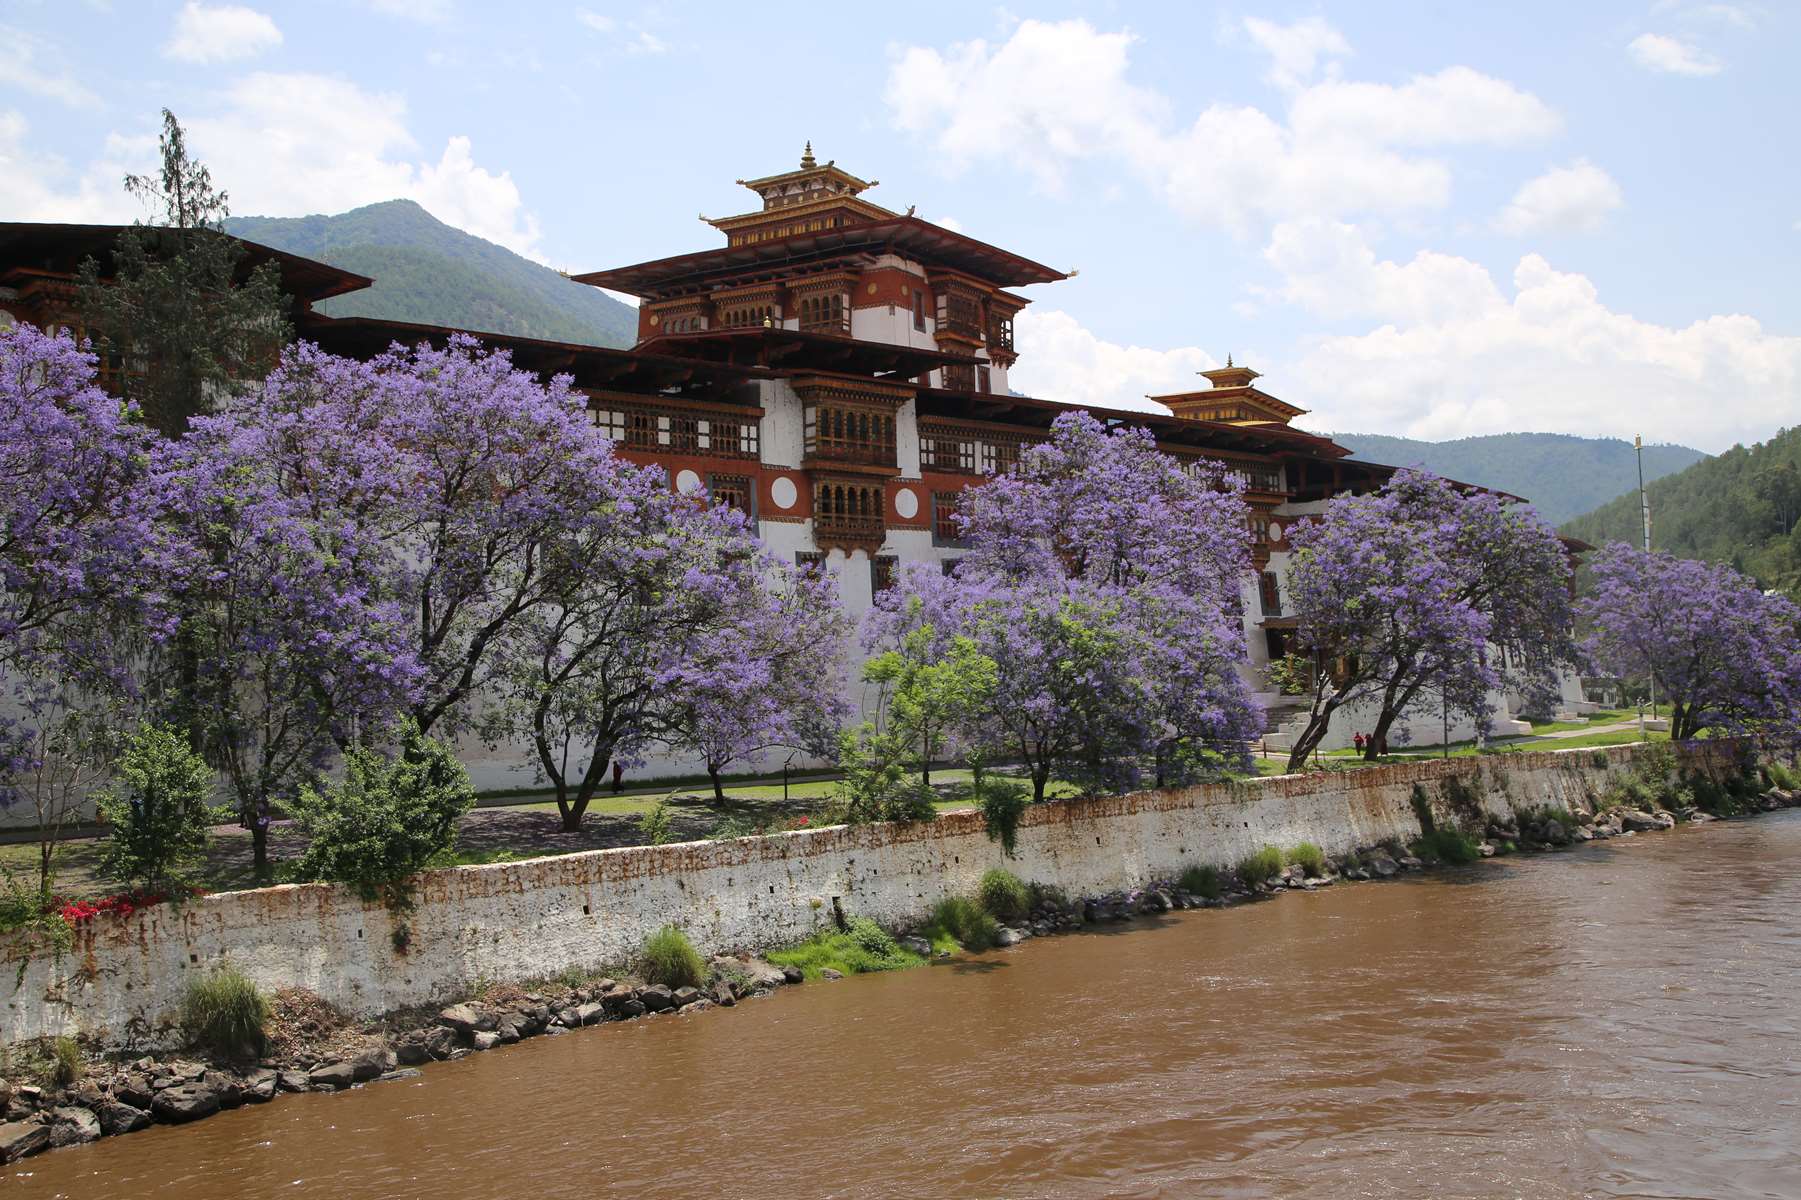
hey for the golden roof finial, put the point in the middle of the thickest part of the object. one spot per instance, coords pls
(1228, 358)
(807, 161)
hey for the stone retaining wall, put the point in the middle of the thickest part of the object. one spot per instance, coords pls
(513, 921)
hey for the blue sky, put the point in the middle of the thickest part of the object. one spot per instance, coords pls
(1424, 219)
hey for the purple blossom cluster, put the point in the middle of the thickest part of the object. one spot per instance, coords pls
(1423, 594)
(432, 534)
(1103, 580)
(1722, 653)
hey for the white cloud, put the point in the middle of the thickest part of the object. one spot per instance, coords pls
(1296, 50)
(1054, 94)
(220, 33)
(1455, 106)
(639, 41)
(1564, 199)
(1061, 360)
(1736, 15)
(950, 223)
(429, 12)
(20, 68)
(44, 187)
(1457, 355)
(281, 145)
(1656, 52)
(292, 144)
(1328, 268)
(1049, 94)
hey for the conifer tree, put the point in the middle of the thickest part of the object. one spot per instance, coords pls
(174, 318)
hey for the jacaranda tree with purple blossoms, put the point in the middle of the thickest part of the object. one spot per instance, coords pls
(464, 468)
(78, 572)
(648, 592)
(1725, 655)
(1425, 590)
(1103, 581)
(764, 675)
(286, 650)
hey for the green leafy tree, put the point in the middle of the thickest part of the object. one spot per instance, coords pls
(158, 811)
(178, 318)
(1778, 490)
(925, 697)
(873, 784)
(387, 818)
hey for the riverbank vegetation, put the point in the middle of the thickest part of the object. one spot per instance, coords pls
(1261, 866)
(861, 947)
(223, 1012)
(670, 959)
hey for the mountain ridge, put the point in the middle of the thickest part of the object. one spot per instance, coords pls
(429, 272)
(1562, 475)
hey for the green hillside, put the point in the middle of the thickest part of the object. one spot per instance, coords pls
(1740, 508)
(1563, 476)
(428, 272)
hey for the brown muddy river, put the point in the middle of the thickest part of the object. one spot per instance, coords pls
(1622, 1020)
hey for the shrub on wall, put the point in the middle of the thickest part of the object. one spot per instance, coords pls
(1003, 802)
(387, 818)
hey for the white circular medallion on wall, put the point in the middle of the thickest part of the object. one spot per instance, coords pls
(1275, 532)
(687, 482)
(783, 492)
(906, 504)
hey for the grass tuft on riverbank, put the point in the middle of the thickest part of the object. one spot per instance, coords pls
(1447, 846)
(863, 948)
(225, 1013)
(959, 923)
(669, 958)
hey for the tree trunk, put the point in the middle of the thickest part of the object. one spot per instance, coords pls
(1040, 776)
(572, 817)
(259, 844)
(718, 786)
(1315, 733)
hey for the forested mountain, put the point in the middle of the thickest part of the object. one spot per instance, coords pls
(1740, 507)
(1563, 476)
(428, 272)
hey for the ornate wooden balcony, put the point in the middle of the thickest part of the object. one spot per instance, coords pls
(848, 532)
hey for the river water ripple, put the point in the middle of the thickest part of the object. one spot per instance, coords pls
(1620, 1020)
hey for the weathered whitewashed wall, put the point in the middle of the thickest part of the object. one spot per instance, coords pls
(124, 978)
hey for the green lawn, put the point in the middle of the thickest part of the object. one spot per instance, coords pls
(1617, 737)
(501, 832)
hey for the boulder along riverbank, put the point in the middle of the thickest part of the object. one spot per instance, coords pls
(313, 1047)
